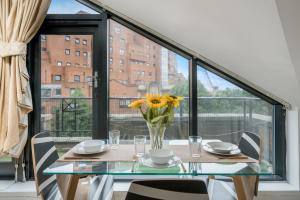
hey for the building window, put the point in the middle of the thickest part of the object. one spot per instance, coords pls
(76, 78)
(117, 29)
(43, 38)
(111, 61)
(43, 49)
(77, 41)
(110, 50)
(77, 53)
(84, 42)
(110, 39)
(58, 92)
(67, 51)
(59, 63)
(85, 54)
(68, 64)
(67, 38)
(122, 51)
(123, 103)
(72, 91)
(122, 41)
(89, 79)
(121, 62)
(57, 78)
(45, 92)
(77, 65)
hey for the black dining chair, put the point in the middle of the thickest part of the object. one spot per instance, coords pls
(44, 154)
(250, 145)
(167, 189)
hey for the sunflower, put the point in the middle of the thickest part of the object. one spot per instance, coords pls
(173, 100)
(155, 101)
(137, 104)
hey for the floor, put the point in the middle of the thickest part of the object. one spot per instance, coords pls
(26, 191)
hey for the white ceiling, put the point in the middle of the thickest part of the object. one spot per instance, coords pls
(244, 36)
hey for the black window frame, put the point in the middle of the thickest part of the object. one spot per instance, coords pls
(278, 109)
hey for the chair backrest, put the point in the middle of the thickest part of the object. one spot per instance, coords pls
(250, 145)
(43, 155)
(173, 189)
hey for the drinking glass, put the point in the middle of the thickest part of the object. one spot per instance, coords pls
(114, 138)
(139, 145)
(195, 145)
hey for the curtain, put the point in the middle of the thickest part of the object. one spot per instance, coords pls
(19, 22)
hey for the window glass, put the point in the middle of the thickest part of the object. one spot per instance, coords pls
(76, 78)
(69, 7)
(67, 51)
(225, 111)
(136, 75)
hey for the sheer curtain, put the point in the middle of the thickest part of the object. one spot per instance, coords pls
(19, 22)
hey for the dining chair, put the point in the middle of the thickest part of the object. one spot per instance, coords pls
(167, 189)
(53, 187)
(250, 145)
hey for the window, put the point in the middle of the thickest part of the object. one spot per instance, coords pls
(77, 53)
(84, 42)
(43, 49)
(77, 65)
(85, 54)
(77, 41)
(122, 51)
(45, 92)
(72, 91)
(124, 103)
(110, 39)
(231, 111)
(43, 38)
(58, 91)
(89, 79)
(76, 78)
(67, 51)
(59, 63)
(67, 38)
(69, 7)
(57, 78)
(123, 84)
(111, 61)
(122, 41)
(117, 29)
(68, 64)
(110, 50)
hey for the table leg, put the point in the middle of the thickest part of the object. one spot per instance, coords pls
(245, 187)
(68, 185)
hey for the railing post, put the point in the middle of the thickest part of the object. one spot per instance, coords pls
(57, 123)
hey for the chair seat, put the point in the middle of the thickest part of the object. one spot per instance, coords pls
(221, 190)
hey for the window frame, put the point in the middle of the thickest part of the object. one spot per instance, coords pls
(278, 109)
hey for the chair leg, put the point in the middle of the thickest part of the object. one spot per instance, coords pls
(245, 187)
(68, 185)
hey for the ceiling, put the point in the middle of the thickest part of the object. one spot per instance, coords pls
(252, 38)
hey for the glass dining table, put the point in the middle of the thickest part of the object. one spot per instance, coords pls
(244, 173)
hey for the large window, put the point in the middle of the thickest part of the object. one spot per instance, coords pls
(135, 74)
(225, 111)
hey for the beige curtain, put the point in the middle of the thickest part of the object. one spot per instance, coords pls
(19, 22)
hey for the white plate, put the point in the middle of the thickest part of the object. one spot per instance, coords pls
(78, 149)
(231, 153)
(146, 161)
(222, 147)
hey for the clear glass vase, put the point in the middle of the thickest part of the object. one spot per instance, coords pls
(157, 133)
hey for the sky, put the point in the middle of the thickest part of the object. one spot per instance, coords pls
(72, 7)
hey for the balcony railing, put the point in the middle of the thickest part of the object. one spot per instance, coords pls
(72, 116)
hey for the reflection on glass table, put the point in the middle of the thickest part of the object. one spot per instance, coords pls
(125, 168)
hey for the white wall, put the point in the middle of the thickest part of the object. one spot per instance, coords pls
(244, 36)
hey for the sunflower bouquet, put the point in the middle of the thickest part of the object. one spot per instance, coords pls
(158, 112)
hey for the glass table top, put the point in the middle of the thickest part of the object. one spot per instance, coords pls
(138, 168)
